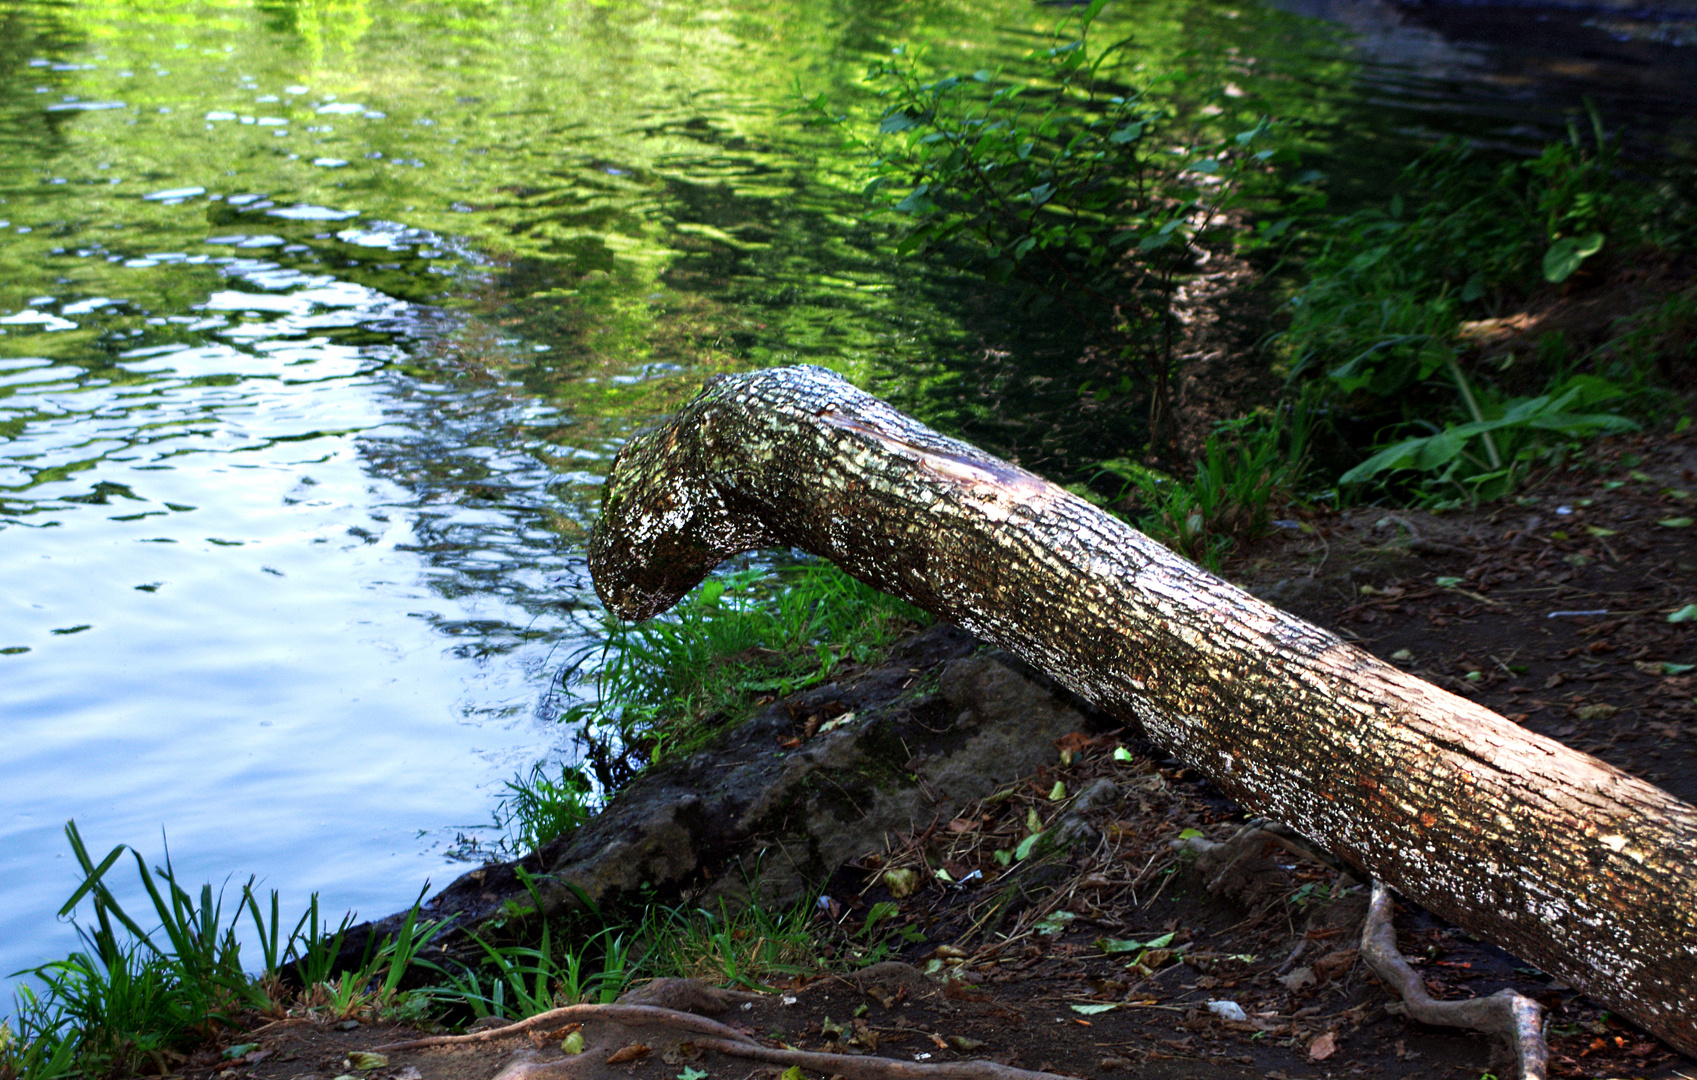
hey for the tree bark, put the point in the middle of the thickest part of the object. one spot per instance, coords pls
(1560, 858)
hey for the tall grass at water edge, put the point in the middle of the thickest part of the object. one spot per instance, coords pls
(137, 1000)
(134, 999)
(663, 688)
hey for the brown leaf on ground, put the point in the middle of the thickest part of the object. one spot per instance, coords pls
(1323, 1047)
(627, 1053)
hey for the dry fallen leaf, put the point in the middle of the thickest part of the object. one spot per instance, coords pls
(627, 1053)
(1323, 1047)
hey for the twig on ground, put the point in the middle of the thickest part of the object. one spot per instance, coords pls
(1419, 543)
(1513, 1017)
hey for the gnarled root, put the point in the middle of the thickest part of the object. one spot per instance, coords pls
(1228, 866)
(652, 1006)
(1513, 1017)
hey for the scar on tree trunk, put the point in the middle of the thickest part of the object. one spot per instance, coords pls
(1554, 855)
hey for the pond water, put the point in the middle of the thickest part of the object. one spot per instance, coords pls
(320, 320)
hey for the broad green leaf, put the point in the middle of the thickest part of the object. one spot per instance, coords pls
(1688, 613)
(1025, 846)
(1675, 523)
(1125, 945)
(1095, 1010)
(1566, 254)
(1425, 453)
(896, 122)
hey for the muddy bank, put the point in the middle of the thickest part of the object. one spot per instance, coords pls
(785, 799)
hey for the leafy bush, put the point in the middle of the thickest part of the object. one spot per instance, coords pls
(1378, 322)
(1246, 466)
(1388, 286)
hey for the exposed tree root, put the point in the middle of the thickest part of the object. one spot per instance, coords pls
(857, 1067)
(627, 1015)
(1512, 1017)
(1228, 865)
(652, 1006)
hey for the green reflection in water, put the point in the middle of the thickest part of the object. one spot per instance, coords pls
(618, 182)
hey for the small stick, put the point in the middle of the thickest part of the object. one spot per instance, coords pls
(1511, 1016)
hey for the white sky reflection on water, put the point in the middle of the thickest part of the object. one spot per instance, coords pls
(272, 670)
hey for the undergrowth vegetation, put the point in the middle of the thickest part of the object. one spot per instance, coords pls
(139, 1000)
(662, 688)
(1397, 300)
(1063, 175)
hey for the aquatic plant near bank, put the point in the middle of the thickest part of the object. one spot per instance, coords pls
(535, 808)
(664, 687)
(134, 997)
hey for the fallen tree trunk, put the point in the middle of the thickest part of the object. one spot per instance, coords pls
(1556, 856)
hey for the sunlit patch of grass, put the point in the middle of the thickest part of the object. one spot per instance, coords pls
(665, 687)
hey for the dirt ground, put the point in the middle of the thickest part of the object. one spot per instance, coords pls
(1113, 956)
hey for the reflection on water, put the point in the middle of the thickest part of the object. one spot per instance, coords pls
(320, 320)
(261, 609)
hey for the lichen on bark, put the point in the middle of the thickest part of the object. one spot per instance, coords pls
(1558, 857)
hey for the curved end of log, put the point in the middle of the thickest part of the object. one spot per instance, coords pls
(664, 522)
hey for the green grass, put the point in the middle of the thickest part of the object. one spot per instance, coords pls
(535, 808)
(666, 687)
(135, 998)
(1248, 467)
(750, 947)
(140, 1000)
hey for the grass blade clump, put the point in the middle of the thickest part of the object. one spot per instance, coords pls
(666, 686)
(136, 999)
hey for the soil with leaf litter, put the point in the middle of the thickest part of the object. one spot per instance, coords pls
(1124, 950)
